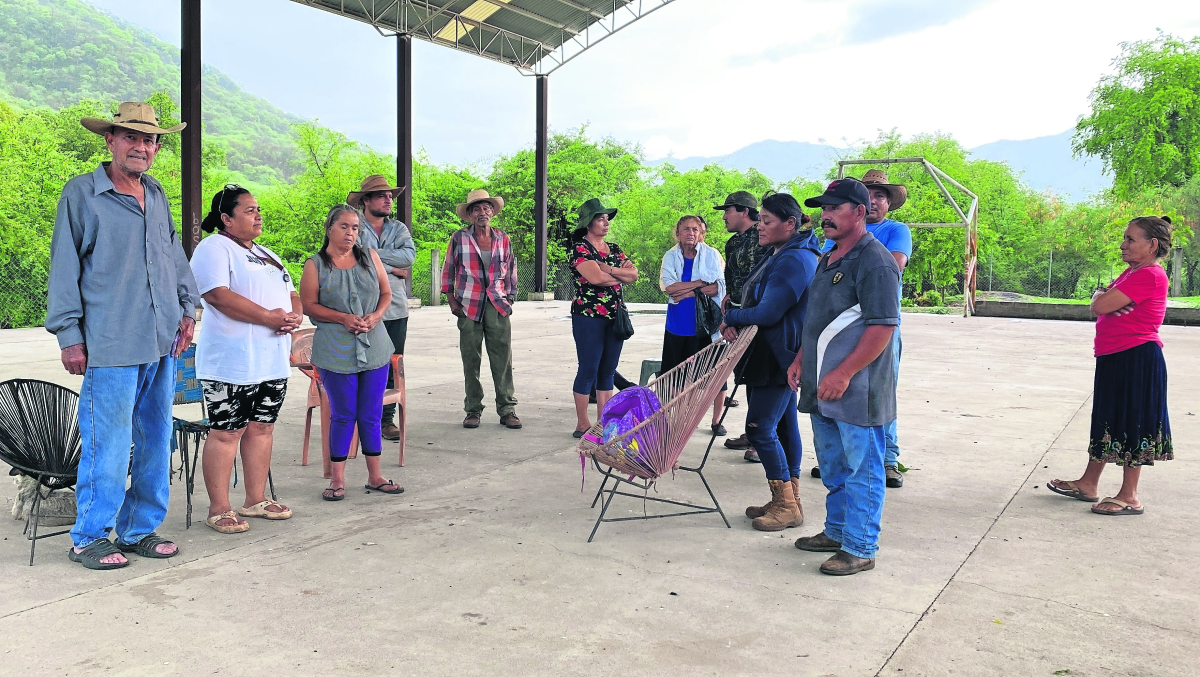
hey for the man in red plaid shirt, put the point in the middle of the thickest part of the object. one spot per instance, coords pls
(480, 283)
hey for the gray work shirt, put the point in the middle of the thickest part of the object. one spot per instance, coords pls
(845, 297)
(119, 281)
(396, 250)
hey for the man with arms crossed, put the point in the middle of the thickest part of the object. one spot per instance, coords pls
(122, 305)
(394, 244)
(846, 375)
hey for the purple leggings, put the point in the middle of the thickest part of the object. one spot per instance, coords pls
(355, 398)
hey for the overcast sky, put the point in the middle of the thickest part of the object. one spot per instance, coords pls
(699, 77)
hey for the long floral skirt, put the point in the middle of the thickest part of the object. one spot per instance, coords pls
(1129, 408)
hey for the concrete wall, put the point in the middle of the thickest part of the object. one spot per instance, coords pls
(1067, 311)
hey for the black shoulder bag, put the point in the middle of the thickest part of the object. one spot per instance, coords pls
(708, 314)
(622, 325)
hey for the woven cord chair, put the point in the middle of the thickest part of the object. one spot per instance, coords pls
(186, 435)
(39, 437)
(640, 457)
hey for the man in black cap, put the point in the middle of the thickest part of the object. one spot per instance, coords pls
(742, 251)
(846, 375)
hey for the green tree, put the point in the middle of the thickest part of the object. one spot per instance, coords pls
(1145, 118)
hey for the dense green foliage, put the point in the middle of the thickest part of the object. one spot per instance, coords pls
(1145, 119)
(54, 53)
(58, 63)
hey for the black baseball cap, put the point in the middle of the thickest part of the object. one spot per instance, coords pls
(843, 190)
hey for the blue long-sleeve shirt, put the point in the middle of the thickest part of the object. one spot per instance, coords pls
(776, 299)
(119, 281)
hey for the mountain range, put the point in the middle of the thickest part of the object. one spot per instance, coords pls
(1045, 163)
(55, 53)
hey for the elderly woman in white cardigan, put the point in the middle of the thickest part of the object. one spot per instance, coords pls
(686, 267)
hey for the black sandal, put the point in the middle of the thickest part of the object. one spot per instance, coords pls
(91, 555)
(396, 488)
(332, 494)
(147, 547)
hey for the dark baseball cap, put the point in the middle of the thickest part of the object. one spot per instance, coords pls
(740, 198)
(843, 190)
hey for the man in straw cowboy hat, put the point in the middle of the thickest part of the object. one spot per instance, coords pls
(122, 305)
(742, 251)
(393, 242)
(480, 284)
(887, 197)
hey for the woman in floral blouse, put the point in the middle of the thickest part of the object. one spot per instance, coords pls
(600, 269)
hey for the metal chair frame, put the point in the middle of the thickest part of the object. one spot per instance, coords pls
(61, 481)
(685, 393)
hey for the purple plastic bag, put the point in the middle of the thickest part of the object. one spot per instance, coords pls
(623, 413)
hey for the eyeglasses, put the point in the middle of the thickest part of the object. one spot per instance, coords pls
(228, 187)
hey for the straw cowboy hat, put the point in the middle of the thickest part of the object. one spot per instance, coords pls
(476, 196)
(588, 211)
(375, 183)
(897, 193)
(134, 115)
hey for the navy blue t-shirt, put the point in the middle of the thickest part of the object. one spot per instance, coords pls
(681, 317)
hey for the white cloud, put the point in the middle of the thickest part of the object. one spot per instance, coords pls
(698, 77)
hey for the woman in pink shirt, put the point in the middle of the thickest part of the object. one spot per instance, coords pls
(1130, 426)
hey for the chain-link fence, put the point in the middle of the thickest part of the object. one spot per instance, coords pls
(1057, 277)
(559, 281)
(23, 288)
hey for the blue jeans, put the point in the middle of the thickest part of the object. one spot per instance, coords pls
(598, 352)
(851, 460)
(773, 431)
(889, 430)
(119, 406)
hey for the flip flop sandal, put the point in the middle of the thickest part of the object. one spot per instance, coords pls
(260, 510)
(236, 528)
(1126, 509)
(1071, 491)
(146, 547)
(396, 488)
(91, 555)
(332, 494)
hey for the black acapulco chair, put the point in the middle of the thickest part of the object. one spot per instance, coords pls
(39, 437)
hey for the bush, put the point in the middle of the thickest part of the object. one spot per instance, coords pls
(907, 303)
(930, 299)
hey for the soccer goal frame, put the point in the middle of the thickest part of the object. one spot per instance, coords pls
(969, 219)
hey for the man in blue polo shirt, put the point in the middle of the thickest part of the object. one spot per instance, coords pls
(896, 236)
(846, 375)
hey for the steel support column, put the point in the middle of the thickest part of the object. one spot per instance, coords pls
(193, 201)
(404, 146)
(540, 183)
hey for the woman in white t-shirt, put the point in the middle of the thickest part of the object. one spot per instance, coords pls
(250, 310)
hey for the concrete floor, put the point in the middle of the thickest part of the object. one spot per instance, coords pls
(481, 567)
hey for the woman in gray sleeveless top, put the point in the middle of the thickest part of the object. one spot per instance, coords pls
(345, 292)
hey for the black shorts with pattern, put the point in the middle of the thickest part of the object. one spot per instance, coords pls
(232, 407)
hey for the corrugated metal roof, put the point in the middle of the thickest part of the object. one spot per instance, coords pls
(535, 36)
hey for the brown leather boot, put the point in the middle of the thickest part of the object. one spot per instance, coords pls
(784, 510)
(756, 511)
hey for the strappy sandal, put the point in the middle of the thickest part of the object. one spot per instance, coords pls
(1070, 490)
(260, 510)
(147, 547)
(331, 494)
(1125, 508)
(395, 488)
(236, 528)
(91, 555)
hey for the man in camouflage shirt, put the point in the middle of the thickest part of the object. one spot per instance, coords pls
(742, 251)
